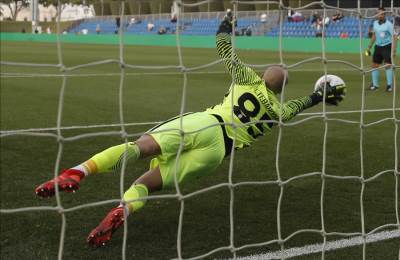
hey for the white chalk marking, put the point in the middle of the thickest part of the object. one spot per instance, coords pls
(330, 245)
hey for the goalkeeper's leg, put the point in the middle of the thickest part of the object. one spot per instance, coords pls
(149, 182)
(203, 158)
(105, 161)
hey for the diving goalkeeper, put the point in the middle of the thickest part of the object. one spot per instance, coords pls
(207, 140)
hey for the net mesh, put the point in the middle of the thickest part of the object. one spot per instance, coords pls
(279, 181)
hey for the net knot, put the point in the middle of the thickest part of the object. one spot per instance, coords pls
(322, 4)
(60, 209)
(63, 69)
(124, 134)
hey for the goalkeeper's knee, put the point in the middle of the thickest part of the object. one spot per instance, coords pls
(112, 158)
(136, 191)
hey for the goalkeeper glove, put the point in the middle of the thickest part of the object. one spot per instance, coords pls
(227, 23)
(367, 52)
(334, 94)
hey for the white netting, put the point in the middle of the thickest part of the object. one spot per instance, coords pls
(56, 132)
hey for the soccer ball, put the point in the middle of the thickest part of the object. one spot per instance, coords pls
(332, 80)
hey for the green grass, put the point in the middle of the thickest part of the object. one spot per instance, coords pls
(26, 161)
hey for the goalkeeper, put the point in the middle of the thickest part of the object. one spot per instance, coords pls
(207, 139)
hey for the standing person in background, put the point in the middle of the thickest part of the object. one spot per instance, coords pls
(385, 48)
(98, 29)
(117, 24)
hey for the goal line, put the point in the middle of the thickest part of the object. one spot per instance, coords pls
(329, 246)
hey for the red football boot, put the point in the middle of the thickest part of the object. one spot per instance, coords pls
(103, 232)
(67, 181)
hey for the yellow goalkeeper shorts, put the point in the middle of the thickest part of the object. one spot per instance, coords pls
(202, 152)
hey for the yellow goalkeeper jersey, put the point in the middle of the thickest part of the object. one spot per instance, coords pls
(250, 100)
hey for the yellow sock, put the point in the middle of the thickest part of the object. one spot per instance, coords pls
(112, 158)
(136, 191)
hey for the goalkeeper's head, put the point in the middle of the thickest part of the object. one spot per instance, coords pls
(275, 78)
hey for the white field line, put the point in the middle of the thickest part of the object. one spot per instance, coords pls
(48, 75)
(158, 122)
(331, 245)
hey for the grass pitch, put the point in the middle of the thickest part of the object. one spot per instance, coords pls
(91, 98)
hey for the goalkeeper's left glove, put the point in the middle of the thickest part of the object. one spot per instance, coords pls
(334, 94)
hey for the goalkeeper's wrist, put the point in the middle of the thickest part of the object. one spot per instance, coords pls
(316, 98)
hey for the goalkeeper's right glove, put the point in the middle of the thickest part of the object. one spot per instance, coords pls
(227, 23)
(334, 94)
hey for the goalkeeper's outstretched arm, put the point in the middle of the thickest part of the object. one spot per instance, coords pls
(288, 110)
(242, 74)
(293, 107)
